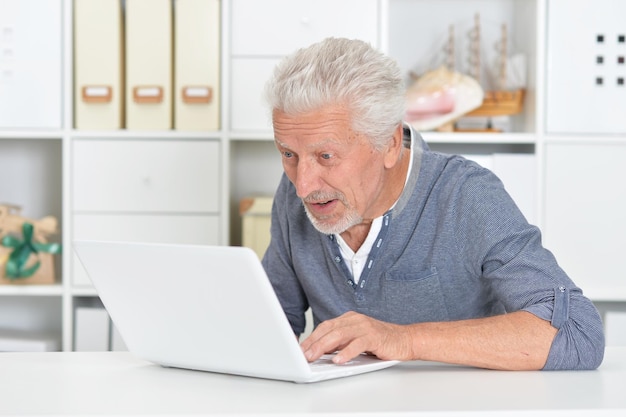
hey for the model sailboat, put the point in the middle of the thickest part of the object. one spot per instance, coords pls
(508, 97)
(437, 99)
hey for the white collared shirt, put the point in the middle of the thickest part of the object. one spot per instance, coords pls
(355, 261)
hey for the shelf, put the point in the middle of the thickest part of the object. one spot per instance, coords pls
(480, 138)
(260, 136)
(84, 292)
(144, 134)
(599, 139)
(430, 137)
(31, 290)
(31, 134)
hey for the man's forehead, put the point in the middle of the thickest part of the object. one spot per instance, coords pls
(323, 142)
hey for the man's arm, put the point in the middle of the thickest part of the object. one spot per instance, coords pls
(515, 341)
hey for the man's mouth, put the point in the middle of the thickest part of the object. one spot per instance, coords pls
(323, 203)
(321, 207)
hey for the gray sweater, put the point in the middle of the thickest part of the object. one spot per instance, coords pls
(455, 246)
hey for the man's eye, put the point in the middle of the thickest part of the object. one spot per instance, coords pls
(287, 154)
(326, 156)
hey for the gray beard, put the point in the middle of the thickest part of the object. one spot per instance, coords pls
(351, 218)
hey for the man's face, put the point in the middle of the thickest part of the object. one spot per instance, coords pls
(337, 173)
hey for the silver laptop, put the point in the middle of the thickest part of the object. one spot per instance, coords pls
(208, 308)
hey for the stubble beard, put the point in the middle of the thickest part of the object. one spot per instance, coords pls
(325, 225)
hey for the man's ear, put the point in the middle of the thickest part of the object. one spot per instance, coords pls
(394, 148)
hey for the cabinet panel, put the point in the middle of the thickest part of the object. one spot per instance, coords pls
(593, 72)
(279, 27)
(585, 202)
(30, 64)
(34, 322)
(30, 172)
(248, 108)
(615, 325)
(146, 176)
(187, 229)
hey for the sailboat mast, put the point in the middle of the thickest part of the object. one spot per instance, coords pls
(502, 76)
(474, 64)
(450, 60)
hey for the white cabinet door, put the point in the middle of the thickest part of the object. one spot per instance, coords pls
(30, 64)
(279, 27)
(585, 215)
(146, 176)
(248, 108)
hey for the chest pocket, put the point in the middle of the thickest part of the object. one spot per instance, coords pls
(413, 297)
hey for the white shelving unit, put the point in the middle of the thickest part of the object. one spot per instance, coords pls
(574, 169)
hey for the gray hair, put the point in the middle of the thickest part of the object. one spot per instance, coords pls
(345, 72)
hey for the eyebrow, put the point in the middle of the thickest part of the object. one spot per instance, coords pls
(313, 145)
(279, 143)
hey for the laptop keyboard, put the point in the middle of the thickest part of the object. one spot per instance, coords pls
(326, 361)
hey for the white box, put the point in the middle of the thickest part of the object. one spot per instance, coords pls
(91, 329)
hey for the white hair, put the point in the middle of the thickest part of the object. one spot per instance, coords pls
(344, 72)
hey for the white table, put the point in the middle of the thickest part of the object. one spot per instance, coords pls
(116, 383)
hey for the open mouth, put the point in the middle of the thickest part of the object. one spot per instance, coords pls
(322, 207)
(323, 203)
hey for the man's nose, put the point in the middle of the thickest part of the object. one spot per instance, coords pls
(307, 179)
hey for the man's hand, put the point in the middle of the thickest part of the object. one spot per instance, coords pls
(514, 341)
(352, 334)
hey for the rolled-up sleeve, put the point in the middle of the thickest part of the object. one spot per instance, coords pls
(579, 342)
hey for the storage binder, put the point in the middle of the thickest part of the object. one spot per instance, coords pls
(197, 64)
(148, 64)
(98, 66)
